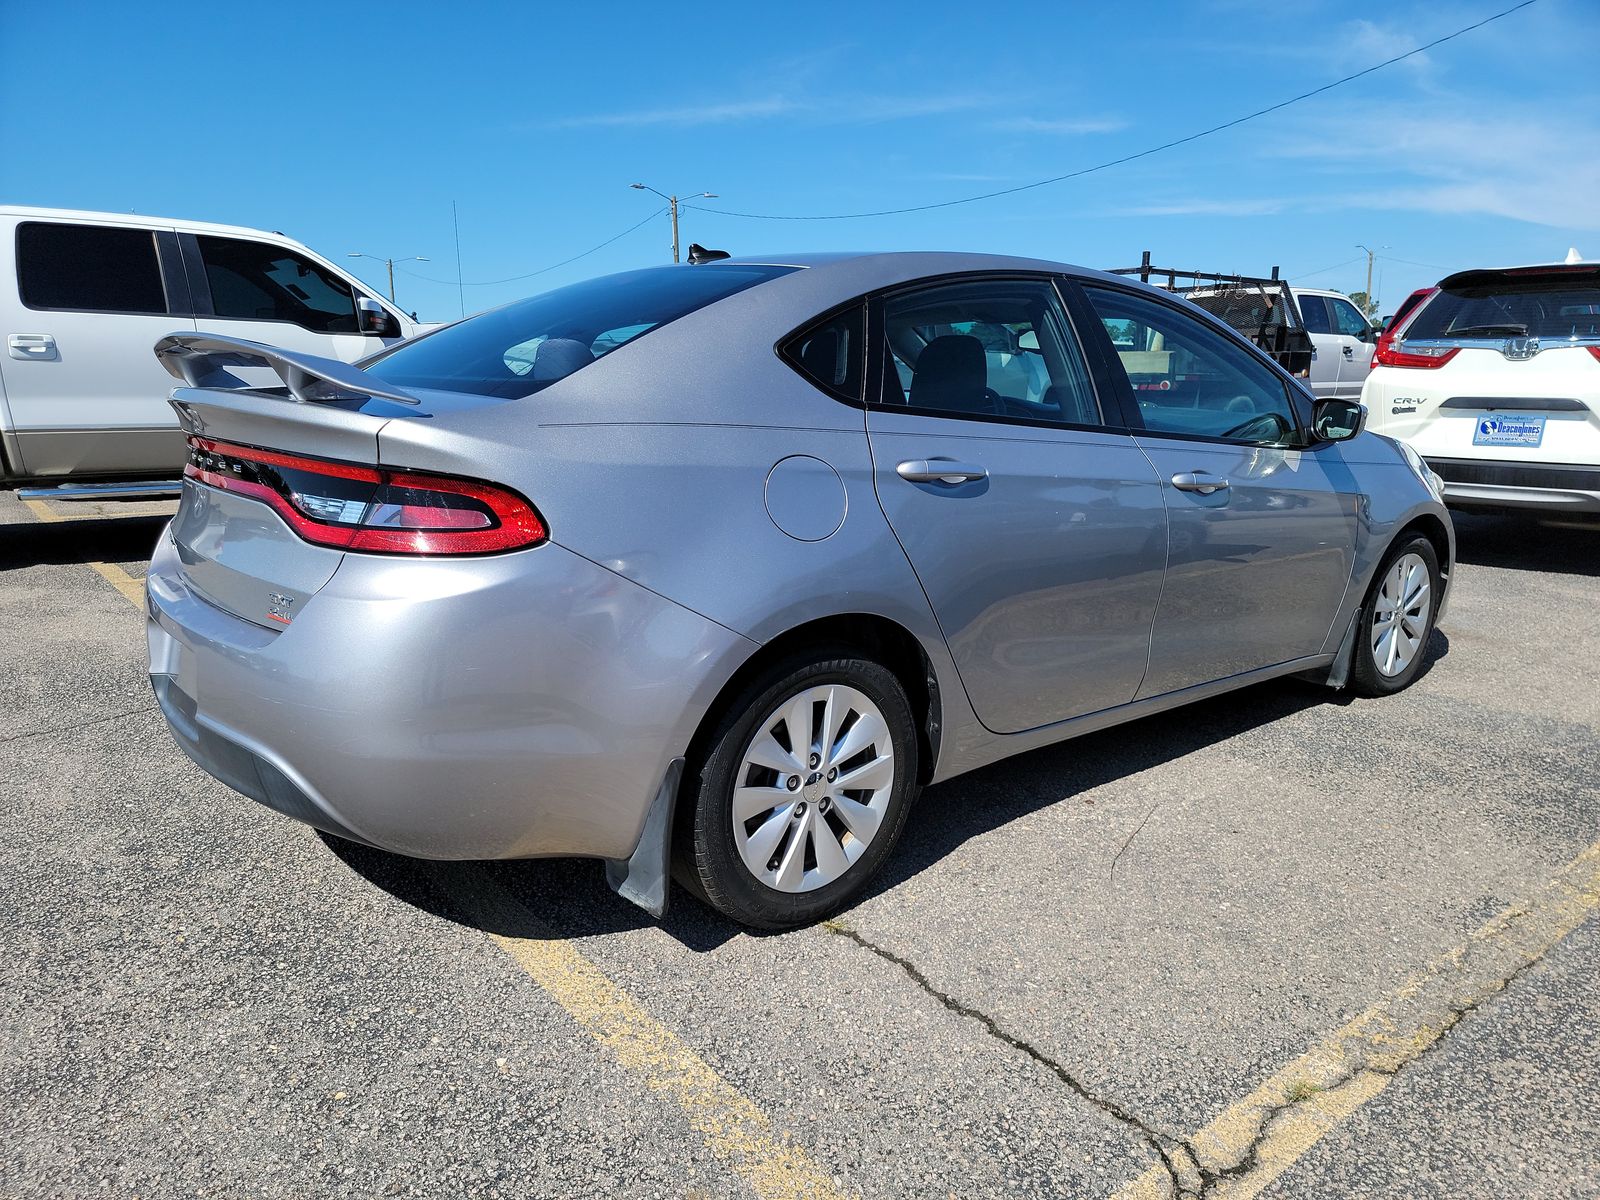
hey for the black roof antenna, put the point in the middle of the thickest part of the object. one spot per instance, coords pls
(698, 254)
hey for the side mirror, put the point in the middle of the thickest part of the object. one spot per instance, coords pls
(372, 318)
(1336, 420)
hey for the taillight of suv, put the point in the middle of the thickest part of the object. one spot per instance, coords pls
(1383, 352)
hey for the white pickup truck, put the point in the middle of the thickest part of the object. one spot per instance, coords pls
(84, 296)
(1343, 339)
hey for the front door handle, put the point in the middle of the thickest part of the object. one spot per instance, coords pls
(1198, 481)
(32, 347)
(939, 470)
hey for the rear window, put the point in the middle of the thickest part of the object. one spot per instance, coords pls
(89, 268)
(524, 347)
(1542, 306)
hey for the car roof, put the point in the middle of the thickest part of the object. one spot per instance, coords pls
(880, 268)
(25, 212)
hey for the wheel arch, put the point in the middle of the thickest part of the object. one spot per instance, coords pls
(872, 635)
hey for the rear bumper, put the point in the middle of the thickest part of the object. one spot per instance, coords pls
(510, 707)
(1481, 483)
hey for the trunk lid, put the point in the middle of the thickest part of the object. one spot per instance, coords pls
(235, 550)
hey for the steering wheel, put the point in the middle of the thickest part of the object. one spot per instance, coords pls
(1264, 427)
(1240, 404)
(997, 406)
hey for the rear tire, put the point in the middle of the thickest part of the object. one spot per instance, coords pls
(778, 835)
(1396, 619)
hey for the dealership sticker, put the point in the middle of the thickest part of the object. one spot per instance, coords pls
(1504, 429)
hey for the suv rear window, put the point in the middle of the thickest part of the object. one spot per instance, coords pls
(1501, 304)
(524, 347)
(89, 268)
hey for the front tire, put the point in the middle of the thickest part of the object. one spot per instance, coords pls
(1397, 619)
(802, 791)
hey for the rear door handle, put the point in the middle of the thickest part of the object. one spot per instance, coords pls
(1349, 351)
(939, 470)
(32, 347)
(1198, 481)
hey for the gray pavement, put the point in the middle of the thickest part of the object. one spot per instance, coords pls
(1073, 956)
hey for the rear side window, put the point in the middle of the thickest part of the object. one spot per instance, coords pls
(255, 281)
(830, 353)
(89, 268)
(995, 348)
(1503, 305)
(1314, 312)
(524, 347)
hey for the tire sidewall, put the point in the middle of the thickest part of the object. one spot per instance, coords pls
(1368, 679)
(719, 870)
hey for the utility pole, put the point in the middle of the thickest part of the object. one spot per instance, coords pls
(672, 206)
(389, 262)
(1372, 304)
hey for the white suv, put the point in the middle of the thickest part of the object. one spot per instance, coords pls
(1495, 380)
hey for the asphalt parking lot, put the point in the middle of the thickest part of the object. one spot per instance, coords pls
(1279, 944)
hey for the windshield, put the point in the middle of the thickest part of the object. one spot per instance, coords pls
(1541, 306)
(524, 347)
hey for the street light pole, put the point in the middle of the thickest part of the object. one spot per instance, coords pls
(672, 205)
(389, 262)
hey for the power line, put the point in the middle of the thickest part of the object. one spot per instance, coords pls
(541, 270)
(1409, 263)
(1325, 270)
(1127, 158)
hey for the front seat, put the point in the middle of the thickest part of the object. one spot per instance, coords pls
(951, 375)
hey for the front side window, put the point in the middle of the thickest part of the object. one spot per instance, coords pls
(89, 268)
(1190, 379)
(990, 348)
(259, 282)
(522, 348)
(1349, 320)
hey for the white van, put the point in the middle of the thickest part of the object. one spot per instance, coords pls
(84, 296)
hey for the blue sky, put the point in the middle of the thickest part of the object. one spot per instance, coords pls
(354, 127)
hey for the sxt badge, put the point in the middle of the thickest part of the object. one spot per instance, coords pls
(278, 607)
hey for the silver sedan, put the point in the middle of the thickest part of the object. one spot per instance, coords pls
(705, 570)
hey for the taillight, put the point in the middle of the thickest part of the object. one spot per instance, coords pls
(1426, 357)
(1594, 350)
(368, 508)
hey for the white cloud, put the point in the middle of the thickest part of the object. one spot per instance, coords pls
(698, 114)
(1240, 207)
(836, 110)
(1063, 125)
(1539, 167)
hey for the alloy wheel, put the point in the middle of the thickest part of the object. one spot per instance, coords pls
(812, 788)
(1400, 615)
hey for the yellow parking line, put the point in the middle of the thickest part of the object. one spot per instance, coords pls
(736, 1131)
(131, 588)
(1256, 1140)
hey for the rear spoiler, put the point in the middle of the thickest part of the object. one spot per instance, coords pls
(200, 360)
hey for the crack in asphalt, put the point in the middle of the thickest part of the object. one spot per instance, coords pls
(1176, 1155)
(1364, 1058)
(84, 724)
